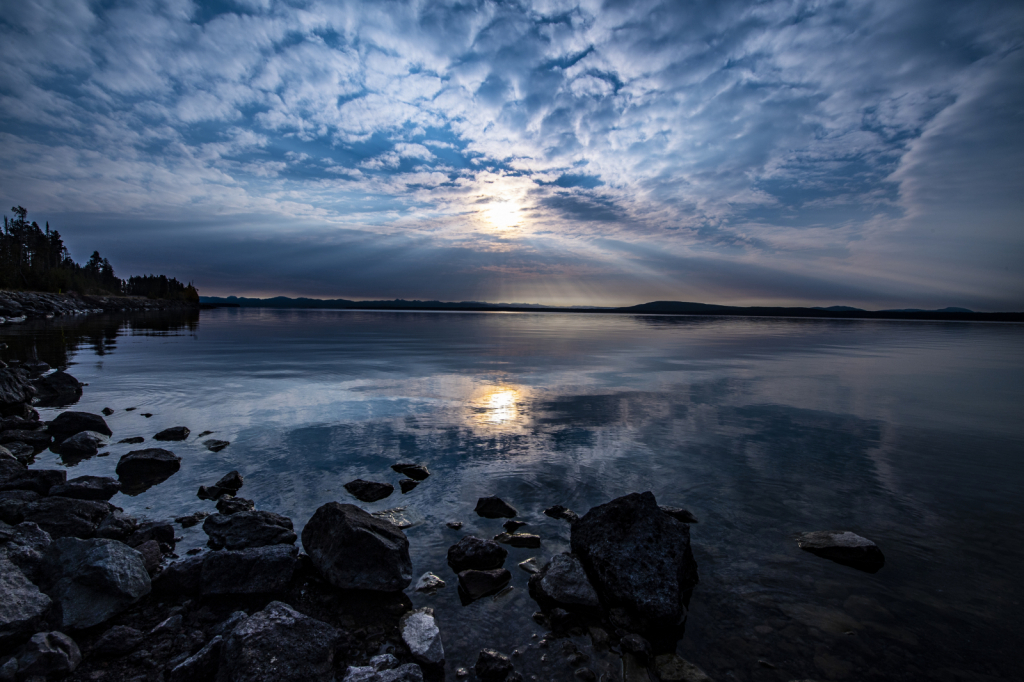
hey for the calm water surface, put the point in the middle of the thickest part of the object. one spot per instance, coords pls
(911, 434)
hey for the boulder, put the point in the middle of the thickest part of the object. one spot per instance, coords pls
(417, 472)
(248, 529)
(37, 480)
(201, 666)
(355, 550)
(38, 440)
(563, 583)
(429, 583)
(15, 388)
(512, 526)
(492, 666)
(160, 531)
(420, 633)
(82, 445)
(637, 558)
(214, 445)
(152, 557)
(475, 553)
(107, 411)
(407, 484)
(93, 580)
(182, 577)
(68, 424)
(527, 540)
(25, 546)
(48, 656)
(117, 641)
(475, 584)
(494, 508)
(559, 512)
(23, 608)
(140, 470)
(117, 526)
(679, 514)
(229, 484)
(23, 452)
(843, 547)
(280, 644)
(67, 517)
(173, 433)
(258, 570)
(369, 491)
(191, 520)
(57, 389)
(228, 505)
(87, 488)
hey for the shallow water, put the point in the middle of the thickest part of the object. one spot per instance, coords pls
(908, 433)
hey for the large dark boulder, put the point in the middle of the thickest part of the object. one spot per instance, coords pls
(160, 531)
(475, 553)
(15, 389)
(474, 584)
(258, 570)
(563, 583)
(63, 517)
(369, 491)
(37, 480)
(494, 508)
(417, 472)
(181, 577)
(248, 529)
(280, 644)
(25, 546)
(37, 439)
(140, 470)
(23, 608)
(638, 558)
(93, 580)
(13, 502)
(117, 526)
(88, 488)
(81, 446)
(57, 389)
(843, 547)
(68, 424)
(355, 550)
(48, 656)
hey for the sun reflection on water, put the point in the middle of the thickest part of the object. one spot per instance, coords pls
(499, 406)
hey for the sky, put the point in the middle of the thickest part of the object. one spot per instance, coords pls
(571, 153)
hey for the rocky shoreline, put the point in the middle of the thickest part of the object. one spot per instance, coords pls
(20, 306)
(87, 592)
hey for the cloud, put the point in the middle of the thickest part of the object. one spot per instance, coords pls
(792, 137)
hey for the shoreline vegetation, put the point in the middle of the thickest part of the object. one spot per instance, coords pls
(652, 308)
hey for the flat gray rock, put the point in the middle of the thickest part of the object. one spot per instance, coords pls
(420, 633)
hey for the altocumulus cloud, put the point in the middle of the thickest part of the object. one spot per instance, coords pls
(566, 152)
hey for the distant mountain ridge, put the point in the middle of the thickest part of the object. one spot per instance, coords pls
(651, 308)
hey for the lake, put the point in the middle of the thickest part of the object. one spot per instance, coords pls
(908, 433)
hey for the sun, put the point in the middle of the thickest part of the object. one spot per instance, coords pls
(502, 215)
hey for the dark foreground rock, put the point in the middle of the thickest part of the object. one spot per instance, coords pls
(417, 472)
(354, 550)
(37, 480)
(48, 656)
(843, 547)
(407, 484)
(563, 583)
(248, 529)
(67, 424)
(99, 488)
(174, 433)
(259, 570)
(492, 666)
(82, 446)
(67, 517)
(637, 558)
(227, 504)
(57, 389)
(16, 390)
(13, 502)
(369, 491)
(476, 553)
(140, 470)
(494, 508)
(475, 584)
(25, 546)
(23, 608)
(93, 580)
(280, 644)
(37, 439)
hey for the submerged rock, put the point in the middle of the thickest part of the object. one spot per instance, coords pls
(420, 633)
(638, 558)
(68, 424)
(512, 526)
(474, 584)
(214, 445)
(355, 550)
(843, 547)
(563, 583)
(280, 644)
(494, 508)
(248, 529)
(476, 553)
(560, 512)
(134, 440)
(173, 434)
(417, 472)
(94, 580)
(88, 488)
(403, 517)
(369, 491)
